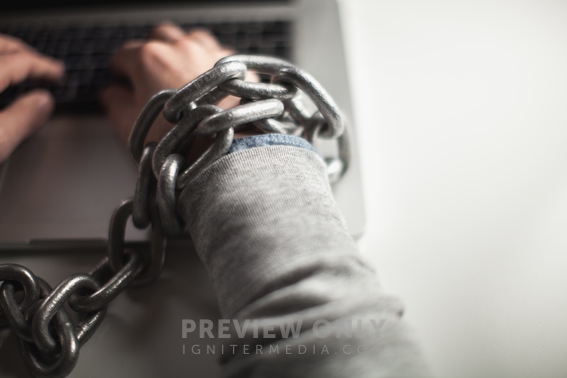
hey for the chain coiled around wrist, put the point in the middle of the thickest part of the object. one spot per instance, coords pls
(273, 107)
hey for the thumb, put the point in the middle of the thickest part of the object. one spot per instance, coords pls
(23, 117)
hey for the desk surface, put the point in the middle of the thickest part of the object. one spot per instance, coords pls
(461, 112)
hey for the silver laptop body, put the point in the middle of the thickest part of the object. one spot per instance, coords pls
(59, 188)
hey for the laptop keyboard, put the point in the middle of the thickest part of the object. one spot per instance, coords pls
(87, 52)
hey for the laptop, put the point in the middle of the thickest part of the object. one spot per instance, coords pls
(60, 187)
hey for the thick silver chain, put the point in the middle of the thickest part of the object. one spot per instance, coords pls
(274, 107)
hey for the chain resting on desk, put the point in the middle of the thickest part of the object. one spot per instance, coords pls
(48, 341)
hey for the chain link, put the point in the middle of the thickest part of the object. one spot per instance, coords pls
(48, 341)
(166, 198)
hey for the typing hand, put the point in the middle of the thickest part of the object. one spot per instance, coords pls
(170, 58)
(18, 62)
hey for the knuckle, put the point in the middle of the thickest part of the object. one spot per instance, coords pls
(200, 32)
(152, 51)
(188, 44)
(149, 48)
(13, 55)
(128, 45)
(164, 24)
(163, 27)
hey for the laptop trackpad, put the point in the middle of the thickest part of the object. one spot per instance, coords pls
(64, 183)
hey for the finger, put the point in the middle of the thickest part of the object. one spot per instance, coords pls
(11, 44)
(204, 38)
(226, 51)
(119, 103)
(167, 32)
(132, 44)
(22, 118)
(125, 61)
(17, 66)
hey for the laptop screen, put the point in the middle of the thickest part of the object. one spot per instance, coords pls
(34, 5)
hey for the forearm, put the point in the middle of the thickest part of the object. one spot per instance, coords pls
(266, 226)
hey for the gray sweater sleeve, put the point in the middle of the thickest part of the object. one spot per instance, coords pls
(267, 229)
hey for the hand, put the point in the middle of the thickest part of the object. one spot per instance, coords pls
(169, 59)
(18, 62)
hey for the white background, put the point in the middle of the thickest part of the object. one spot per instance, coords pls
(462, 112)
(461, 108)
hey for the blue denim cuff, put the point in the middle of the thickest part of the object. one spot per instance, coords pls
(264, 140)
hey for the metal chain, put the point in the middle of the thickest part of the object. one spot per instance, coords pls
(48, 341)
